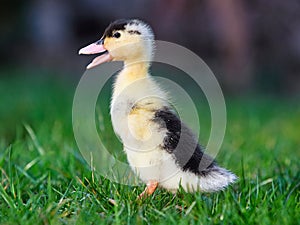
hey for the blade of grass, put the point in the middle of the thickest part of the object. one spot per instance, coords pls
(7, 198)
(34, 139)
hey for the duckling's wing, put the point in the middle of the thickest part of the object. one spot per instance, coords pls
(180, 141)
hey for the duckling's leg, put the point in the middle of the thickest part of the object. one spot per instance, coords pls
(151, 187)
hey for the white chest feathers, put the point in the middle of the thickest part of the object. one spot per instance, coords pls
(132, 112)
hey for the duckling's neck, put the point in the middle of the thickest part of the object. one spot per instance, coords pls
(135, 70)
(130, 73)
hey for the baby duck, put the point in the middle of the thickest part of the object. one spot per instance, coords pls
(160, 149)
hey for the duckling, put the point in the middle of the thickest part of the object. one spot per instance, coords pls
(160, 148)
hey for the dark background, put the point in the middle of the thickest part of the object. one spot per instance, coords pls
(252, 46)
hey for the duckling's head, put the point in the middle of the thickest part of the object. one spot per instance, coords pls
(123, 40)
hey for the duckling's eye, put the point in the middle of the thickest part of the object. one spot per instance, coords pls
(117, 35)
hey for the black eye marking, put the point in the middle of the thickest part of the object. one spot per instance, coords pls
(134, 32)
(117, 35)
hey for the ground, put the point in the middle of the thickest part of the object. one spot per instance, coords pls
(45, 180)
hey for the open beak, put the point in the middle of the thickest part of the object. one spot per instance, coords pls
(96, 48)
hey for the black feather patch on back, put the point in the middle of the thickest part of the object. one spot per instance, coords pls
(194, 166)
(180, 142)
(168, 119)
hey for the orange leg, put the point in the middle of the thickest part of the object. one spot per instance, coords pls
(151, 187)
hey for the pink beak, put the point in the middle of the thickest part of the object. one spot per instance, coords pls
(96, 48)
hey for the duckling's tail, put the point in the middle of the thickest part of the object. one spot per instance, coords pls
(216, 179)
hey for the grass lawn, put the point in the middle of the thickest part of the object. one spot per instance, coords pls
(44, 179)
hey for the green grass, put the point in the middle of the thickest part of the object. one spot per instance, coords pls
(44, 179)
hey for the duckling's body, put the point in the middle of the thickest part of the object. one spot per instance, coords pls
(160, 149)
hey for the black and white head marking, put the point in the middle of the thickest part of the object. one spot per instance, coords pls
(133, 26)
